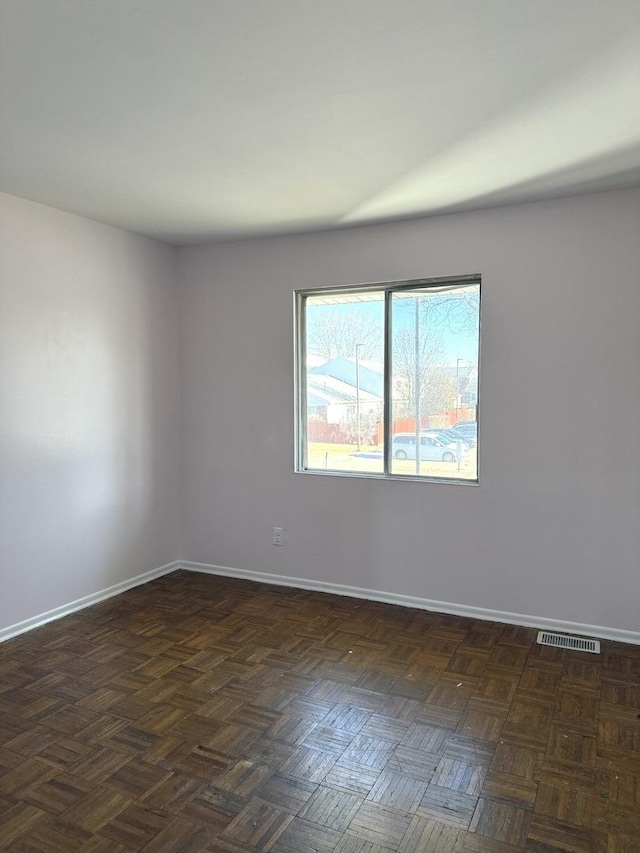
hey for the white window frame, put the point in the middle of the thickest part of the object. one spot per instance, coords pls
(300, 380)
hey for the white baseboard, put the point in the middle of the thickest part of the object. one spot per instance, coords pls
(86, 601)
(617, 634)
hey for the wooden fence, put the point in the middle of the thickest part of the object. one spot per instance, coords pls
(319, 431)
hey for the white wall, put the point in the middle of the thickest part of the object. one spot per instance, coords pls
(553, 530)
(89, 432)
(89, 413)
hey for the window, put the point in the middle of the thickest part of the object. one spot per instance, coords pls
(387, 379)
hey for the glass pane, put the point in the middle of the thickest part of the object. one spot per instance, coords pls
(344, 358)
(434, 382)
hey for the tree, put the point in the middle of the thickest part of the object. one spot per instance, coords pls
(333, 334)
(454, 310)
(436, 391)
(419, 353)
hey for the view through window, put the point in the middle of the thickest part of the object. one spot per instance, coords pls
(388, 379)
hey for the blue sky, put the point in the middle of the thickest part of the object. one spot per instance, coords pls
(457, 342)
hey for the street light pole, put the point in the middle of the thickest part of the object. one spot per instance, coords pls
(358, 395)
(458, 360)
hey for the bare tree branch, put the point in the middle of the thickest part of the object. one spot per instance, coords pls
(435, 388)
(335, 335)
(456, 311)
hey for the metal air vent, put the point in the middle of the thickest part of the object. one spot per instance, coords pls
(565, 641)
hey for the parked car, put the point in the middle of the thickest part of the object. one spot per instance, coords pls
(449, 435)
(469, 429)
(432, 449)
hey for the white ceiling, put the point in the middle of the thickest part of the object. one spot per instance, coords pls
(191, 120)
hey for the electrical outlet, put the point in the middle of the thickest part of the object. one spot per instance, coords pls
(278, 536)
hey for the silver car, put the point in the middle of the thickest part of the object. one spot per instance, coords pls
(432, 449)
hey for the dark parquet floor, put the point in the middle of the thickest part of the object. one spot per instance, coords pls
(206, 714)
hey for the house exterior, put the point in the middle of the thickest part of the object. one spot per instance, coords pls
(348, 397)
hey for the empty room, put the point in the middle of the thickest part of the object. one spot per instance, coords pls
(320, 426)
